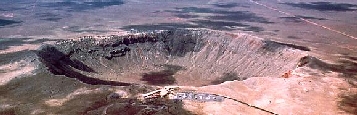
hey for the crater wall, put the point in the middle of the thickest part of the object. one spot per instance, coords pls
(177, 57)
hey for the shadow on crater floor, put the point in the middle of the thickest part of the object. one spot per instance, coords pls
(163, 77)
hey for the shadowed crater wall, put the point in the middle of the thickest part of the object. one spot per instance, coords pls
(177, 57)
